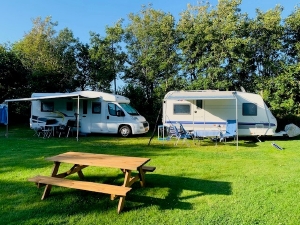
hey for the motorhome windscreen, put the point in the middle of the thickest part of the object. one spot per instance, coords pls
(129, 109)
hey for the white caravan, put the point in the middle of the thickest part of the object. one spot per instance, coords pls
(210, 109)
(97, 112)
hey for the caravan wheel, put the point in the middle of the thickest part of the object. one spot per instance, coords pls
(125, 131)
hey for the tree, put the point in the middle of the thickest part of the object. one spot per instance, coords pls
(214, 45)
(152, 57)
(13, 76)
(107, 57)
(50, 58)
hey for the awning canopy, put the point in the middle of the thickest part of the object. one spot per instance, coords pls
(43, 97)
(205, 95)
(194, 95)
(54, 96)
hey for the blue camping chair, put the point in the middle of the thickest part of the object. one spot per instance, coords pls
(174, 132)
(230, 130)
(182, 133)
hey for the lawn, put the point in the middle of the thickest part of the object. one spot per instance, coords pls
(193, 184)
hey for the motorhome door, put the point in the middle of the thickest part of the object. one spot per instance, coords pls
(98, 123)
(114, 117)
(84, 119)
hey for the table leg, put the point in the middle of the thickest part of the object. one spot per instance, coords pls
(128, 181)
(48, 186)
(75, 169)
(142, 177)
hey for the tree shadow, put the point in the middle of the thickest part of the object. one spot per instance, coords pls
(174, 191)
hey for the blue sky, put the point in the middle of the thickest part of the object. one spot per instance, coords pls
(83, 16)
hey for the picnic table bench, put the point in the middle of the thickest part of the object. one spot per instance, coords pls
(83, 160)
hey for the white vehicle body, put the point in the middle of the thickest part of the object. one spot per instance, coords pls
(97, 112)
(210, 109)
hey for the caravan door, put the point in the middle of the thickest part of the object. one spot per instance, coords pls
(114, 117)
(198, 114)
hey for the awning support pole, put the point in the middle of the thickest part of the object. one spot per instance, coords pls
(77, 117)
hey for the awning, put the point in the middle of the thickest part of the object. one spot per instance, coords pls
(54, 96)
(43, 97)
(205, 95)
(194, 95)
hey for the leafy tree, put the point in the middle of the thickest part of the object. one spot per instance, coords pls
(214, 45)
(13, 76)
(107, 57)
(50, 58)
(282, 91)
(152, 57)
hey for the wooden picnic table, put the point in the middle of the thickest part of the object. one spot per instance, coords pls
(81, 160)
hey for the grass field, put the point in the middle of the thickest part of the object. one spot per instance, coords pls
(206, 184)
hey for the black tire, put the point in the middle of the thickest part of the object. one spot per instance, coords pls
(125, 131)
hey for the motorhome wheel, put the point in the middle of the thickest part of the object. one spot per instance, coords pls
(125, 131)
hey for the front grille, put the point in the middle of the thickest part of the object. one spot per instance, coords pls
(145, 124)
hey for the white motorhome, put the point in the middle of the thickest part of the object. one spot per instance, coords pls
(210, 109)
(96, 112)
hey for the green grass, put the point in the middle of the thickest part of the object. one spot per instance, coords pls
(206, 184)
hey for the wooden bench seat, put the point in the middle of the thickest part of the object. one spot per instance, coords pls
(113, 190)
(148, 168)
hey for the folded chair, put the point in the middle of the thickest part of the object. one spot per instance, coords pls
(230, 130)
(67, 128)
(38, 125)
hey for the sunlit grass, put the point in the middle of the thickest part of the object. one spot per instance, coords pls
(193, 184)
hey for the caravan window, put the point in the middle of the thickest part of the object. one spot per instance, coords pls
(96, 107)
(182, 109)
(249, 109)
(47, 106)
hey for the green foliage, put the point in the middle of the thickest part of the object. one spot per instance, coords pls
(210, 47)
(13, 76)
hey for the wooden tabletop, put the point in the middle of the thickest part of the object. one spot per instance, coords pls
(102, 160)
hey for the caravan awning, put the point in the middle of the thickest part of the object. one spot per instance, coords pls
(194, 95)
(205, 95)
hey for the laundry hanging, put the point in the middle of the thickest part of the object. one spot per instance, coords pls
(3, 114)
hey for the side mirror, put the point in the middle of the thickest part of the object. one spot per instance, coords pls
(120, 113)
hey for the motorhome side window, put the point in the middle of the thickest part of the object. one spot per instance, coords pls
(113, 108)
(199, 104)
(96, 107)
(182, 109)
(47, 106)
(249, 109)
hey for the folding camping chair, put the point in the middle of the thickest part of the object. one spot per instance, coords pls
(66, 129)
(230, 130)
(177, 134)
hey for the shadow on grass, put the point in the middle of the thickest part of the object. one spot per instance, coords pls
(179, 192)
(164, 191)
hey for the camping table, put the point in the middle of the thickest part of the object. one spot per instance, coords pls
(206, 133)
(82, 160)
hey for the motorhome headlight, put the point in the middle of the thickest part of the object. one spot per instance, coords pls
(135, 118)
